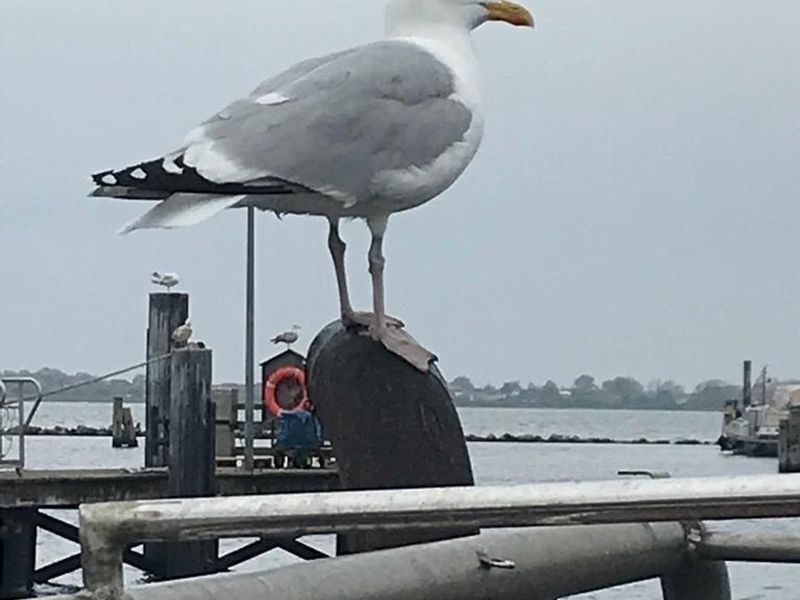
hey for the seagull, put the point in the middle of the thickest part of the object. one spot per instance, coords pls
(364, 133)
(167, 280)
(182, 334)
(287, 337)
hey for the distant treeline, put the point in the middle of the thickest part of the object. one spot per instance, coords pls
(104, 391)
(585, 392)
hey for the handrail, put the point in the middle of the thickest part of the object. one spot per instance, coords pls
(20, 404)
(38, 398)
(106, 529)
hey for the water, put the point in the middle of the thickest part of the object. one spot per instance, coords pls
(617, 424)
(494, 464)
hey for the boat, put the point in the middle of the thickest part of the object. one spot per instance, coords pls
(751, 427)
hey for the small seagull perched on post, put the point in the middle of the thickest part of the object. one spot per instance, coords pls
(182, 335)
(364, 133)
(287, 337)
(167, 280)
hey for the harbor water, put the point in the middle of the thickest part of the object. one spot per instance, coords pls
(494, 464)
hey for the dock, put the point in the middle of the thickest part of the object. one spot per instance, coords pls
(70, 489)
(193, 448)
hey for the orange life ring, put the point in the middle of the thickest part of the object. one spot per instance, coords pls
(271, 402)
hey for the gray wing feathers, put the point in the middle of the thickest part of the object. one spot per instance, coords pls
(347, 117)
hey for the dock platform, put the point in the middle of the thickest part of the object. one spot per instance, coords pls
(69, 489)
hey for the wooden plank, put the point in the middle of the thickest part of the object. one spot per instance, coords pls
(57, 569)
(245, 553)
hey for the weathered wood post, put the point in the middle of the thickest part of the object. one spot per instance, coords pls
(391, 426)
(167, 312)
(17, 552)
(789, 442)
(226, 407)
(191, 452)
(123, 431)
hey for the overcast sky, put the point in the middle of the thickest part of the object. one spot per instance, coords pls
(633, 210)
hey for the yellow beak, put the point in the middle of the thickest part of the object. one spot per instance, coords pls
(503, 10)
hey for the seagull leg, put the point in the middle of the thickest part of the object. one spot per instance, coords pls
(377, 266)
(393, 338)
(337, 248)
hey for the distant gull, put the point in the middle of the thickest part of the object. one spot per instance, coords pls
(167, 280)
(367, 132)
(182, 334)
(287, 337)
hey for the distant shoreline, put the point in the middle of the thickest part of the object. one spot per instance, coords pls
(520, 406)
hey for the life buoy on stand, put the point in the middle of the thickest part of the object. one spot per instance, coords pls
(276, 377)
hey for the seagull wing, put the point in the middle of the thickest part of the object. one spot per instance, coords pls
(335, 129)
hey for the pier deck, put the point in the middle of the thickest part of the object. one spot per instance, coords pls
(68, 489)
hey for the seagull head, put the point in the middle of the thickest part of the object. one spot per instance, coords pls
(468, 14)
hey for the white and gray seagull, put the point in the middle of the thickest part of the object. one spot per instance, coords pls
(167, 280)
(287, 337)
(182, 334)
(366, 132)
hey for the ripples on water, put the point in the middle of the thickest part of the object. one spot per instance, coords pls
(494, 464)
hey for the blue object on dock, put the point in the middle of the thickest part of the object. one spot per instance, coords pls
(298, 430)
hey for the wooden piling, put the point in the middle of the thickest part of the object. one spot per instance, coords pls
(167, 312)
(789, 442)
(226, 404)
(123, 431)
(191, 452)
(391, 426)
(17, 552)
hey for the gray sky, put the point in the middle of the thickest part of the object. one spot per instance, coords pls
(633, 210)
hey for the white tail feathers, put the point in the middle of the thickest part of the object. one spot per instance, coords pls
(182, 210)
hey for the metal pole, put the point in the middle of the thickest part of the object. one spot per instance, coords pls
(21, 409)
(750, 547)
(250, 337)
(747, 386)
(540, 565)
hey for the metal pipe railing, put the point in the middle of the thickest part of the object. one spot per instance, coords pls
(107, 528)
(749, 547)
(21, 382)
(542, 564)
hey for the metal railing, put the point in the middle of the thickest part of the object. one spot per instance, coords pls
(17, 403)
(106, 529)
